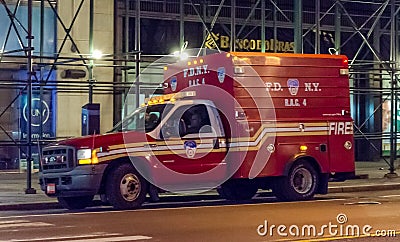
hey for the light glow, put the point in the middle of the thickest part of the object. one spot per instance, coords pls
(97, 54)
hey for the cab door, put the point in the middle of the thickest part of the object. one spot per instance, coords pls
(196, 144)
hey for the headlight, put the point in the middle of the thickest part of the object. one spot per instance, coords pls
(86, 157)
(84, 154)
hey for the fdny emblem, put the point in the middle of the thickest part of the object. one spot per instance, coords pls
(174, 83)
(52, 159)
(293, 85)
(190, 148)
(221, 74)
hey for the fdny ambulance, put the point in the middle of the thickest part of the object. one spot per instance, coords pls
(237, 122)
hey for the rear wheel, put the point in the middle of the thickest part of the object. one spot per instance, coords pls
(73, 203)
(237, 190)
(300, 184)
(126, 188)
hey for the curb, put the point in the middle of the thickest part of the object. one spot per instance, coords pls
(172, 198)
(364, 188)
(30, 206)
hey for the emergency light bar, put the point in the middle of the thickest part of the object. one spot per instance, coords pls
(168, 97)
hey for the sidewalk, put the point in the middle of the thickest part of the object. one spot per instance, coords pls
(13, 185)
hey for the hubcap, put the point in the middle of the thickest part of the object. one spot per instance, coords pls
(302, 180)
(130, 187)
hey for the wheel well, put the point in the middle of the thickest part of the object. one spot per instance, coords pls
(114, 164)
(311, 160)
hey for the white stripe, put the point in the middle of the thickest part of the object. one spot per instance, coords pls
(58, 238)
(316, 129)
(168, 161)
(156, 148)
(233, 144)
(277, 130)
(25, 224)
(13, 221)
(253, 143)
(389, 196)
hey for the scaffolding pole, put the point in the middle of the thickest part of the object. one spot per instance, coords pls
(29, 188)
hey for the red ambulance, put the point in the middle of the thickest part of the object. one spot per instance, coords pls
(237, 122)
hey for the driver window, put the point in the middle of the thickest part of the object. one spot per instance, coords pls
(187, 120)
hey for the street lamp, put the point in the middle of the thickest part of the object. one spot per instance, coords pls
(181, 55)
(95, 54)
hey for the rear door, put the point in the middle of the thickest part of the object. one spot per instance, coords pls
(341, 146)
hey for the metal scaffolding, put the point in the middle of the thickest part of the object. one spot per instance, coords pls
(369, 38)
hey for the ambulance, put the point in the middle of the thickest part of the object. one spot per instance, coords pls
(233, 122)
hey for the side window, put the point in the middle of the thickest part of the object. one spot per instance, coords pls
(187, 120)
(152, 119)
(135, 122)
(197, 120)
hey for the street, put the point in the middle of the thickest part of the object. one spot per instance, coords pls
(349, 216)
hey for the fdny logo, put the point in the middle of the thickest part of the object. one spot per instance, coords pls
(52, 159)
(174, 83)
(190, 148)
(221, 74)
(293, 85)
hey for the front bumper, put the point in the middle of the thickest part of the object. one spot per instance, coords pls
(81, 181)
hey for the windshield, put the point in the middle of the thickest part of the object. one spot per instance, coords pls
(146, 118)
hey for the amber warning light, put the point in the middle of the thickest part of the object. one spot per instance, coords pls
(345, 70)
(168, 97)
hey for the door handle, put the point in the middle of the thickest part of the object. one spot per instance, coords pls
(216, 143)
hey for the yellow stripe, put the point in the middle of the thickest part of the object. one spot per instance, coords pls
(282, 125)
(176, 141)
(208, 150)
(253, 138)
(211, 141)
(161, 152)
(307, 133)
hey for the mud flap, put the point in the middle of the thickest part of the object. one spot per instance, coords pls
(323, 183)
(153, 193)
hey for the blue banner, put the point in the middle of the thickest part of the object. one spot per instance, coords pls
(43, 115)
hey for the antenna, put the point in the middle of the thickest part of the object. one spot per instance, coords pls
(93, 136)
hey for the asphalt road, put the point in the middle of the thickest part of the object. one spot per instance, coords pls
(345, 216)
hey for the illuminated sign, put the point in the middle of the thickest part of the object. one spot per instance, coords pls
(271, 45)
(42, 116)
(40, 110)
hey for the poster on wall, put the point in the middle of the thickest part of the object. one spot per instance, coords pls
(42, 116)
(386, 117)
(42, 124)
(386, 126)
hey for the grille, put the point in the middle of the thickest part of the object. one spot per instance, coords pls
(58, 158)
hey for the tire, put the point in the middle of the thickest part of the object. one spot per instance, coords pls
(237, 190)
(74, 203)
(126, 188)
(300, 184)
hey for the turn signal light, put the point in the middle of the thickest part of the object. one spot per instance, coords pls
(303, 148)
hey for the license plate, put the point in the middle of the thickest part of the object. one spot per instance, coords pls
(51, 188)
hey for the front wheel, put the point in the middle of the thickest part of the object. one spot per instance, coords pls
(300, 184)
(73, 203)
(126, 188)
